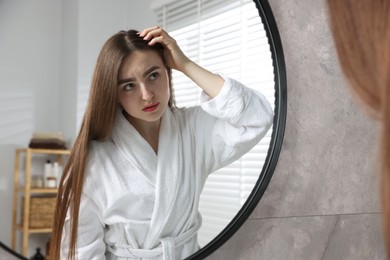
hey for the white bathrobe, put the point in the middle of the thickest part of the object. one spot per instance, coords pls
(139, 205)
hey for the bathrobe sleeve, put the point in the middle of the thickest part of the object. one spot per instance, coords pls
(237, 118)
(90, 243)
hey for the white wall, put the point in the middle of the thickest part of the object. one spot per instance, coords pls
(30, 33)
(48, 50)
(69, 74)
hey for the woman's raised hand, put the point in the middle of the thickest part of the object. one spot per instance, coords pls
(175, 58)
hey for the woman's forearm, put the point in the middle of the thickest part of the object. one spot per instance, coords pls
(211, 83)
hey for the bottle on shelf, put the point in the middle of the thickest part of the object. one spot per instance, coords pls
(59, 175)
(47, 173)
(38, 255)
(51, 182)
(56, 172)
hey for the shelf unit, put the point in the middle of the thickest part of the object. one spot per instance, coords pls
(27, 191)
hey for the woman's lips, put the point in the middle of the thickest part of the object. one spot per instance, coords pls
(151, 107)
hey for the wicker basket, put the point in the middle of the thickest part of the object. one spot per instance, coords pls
(41, 211)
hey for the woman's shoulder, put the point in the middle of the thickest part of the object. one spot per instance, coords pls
(188, 117)
(98, 152)
(98, 164)
(187, 113)
(100, 149)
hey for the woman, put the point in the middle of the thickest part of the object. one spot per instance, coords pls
(132, 183)
(362, 36)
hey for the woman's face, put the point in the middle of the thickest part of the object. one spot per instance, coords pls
(143, 87)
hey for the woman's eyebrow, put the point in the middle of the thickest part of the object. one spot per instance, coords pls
(150, 70)
(121, 81)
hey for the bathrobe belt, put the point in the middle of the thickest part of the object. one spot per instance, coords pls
(167, 247)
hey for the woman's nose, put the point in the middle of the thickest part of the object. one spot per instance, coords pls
(146, 93)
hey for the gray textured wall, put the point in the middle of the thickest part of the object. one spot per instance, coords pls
(323, 201)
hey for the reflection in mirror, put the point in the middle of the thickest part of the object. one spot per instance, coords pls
(223, 36)
(228, 37)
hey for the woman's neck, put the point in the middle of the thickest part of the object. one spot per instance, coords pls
(148, 130)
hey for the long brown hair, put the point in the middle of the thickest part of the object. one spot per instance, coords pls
(361, 31)
(96, 125)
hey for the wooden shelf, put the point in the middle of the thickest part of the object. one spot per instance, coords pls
(22, 207)
(44, 151)
(35, 230)
(39, 190)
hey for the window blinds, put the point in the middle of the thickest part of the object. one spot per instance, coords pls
(225, 36)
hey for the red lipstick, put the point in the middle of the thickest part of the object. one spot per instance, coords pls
(151, 107)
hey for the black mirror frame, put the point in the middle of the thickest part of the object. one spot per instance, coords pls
(279, 123)
(12, 252)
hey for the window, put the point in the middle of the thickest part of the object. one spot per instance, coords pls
(224, 36)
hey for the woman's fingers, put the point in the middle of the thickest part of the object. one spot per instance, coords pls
(153, 32)
(145, 31)
(158, 35)
(175, 58)
(158, 39)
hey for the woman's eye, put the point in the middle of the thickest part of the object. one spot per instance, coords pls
(153, 76)
(128, 86)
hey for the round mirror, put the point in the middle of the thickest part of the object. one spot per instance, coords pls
(44, 87)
